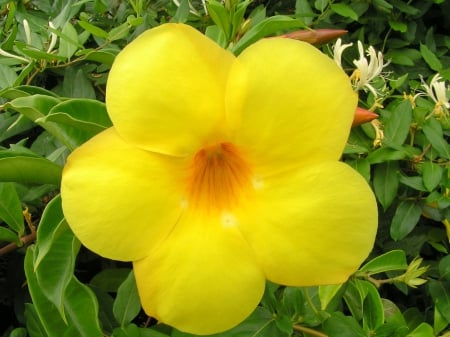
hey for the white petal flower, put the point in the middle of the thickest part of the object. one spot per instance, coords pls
(338, 49)
(437, 91)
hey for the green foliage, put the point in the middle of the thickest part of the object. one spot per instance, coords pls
(54, 61)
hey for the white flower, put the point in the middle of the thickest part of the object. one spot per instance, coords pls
(437, 91)
(338, 49)
(368, 70)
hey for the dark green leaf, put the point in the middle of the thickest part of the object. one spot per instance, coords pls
(33, 323)
(384, 154)
(339, 325)
(415, 182)
(440, 292)
(373, 311)
(444, 268)
(9, 236)
(385, 182)
(430, 58)
(127, 304)
(109, 280)
(11, 207)
(94, 30)
(182, 12)
(405, 219)
(393, 260)
(422, 330)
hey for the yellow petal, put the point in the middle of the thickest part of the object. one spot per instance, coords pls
(312, 226)
(288, 102)
(165, 91)
(120, 200)
(203, 279)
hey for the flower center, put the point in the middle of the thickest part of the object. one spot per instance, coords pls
(219, 178)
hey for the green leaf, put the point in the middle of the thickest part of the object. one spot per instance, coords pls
(422, 330)
(386, 182)
(444, 268)
(29, 170)
(7, 76)
(415, 182)
(344, 10)
(373, 311)
(430, 58)
(303, 11)
(264, 28)
(384, 154)
(361, 165)
(94, 30)
(440, 293)
(46, 311)
(397, 126)
(9, 236)
(18, 332)
(127, 304)
(327, 294)
(68, 43)
(109, 280)
(220, 16)
(405, 219)
(393, 260)
(11, 207)
(433, 131)
(398, 26)
(33, 323)
(81, 308)
(182, 13)
(339, 325)
(431, 175)
(55, 262)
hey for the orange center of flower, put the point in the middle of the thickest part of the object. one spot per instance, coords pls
(219, 177)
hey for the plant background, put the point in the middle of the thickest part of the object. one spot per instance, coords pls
(52, 84)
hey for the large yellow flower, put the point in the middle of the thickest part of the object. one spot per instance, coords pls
(221, 172)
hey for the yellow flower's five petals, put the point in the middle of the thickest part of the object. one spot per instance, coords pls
(165, 91)
(312, 226)
(289, 103)
(120, 200)
(203, 279)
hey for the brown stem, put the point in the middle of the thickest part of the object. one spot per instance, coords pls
(26, 240)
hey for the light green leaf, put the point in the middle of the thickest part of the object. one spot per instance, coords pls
(373, 311)
(393, 260)
(11, 208)
(33, 323)
(397, 126)
(68, 44)
(405, 219)
(327, 293)
(127, 304)
(422, 330)
(7, 76)
(94, 30)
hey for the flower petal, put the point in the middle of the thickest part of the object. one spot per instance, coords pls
(120, 200)
(288, 102)
(312, 226)
(203, 279)
(165, 91)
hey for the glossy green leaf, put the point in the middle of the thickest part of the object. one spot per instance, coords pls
(9, 236)
(373, 311)
(81, 308)
(46, 311)
(220, 17)
(393, 260)
(423, 330)
(361, 165)
(327, 293)
(11, 207)
(431, 175)
(444, 268)
(29, 170)
(33, 323)
(265, 28)
(55, 262)
(405, 219)
(386, 182)
(415, 182)
(127, 304)
(109, 280)
(102, 56)
(25, 90)
(384, 154)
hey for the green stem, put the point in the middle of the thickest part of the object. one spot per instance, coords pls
(309, 331)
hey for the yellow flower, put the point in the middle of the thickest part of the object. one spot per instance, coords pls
(221, 172)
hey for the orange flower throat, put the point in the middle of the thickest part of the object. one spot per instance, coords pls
(219, 177)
